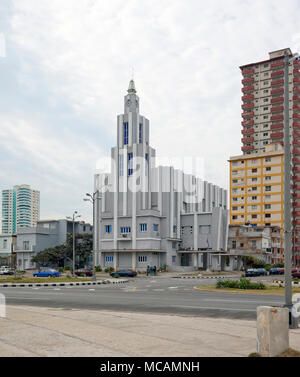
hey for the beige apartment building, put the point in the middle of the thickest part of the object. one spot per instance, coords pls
(256, 188)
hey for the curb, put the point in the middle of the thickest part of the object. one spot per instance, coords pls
(206, 277)
(281, 283)
(24, 285)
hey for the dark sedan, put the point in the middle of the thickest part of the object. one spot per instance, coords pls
(123, 273)
(296, 274)
(84, 272)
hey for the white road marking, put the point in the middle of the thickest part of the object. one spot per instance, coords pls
(29, 298)
(56, 289)
(239, 301)
(211, 308)
(173, 287)
(92, 289)
(158, 290)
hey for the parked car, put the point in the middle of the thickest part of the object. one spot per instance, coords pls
(252, 272)
(296, 273)
(262, 272)
(84, 272)
(5, 270)
(276, 271)
(46, 273)
(123, 273)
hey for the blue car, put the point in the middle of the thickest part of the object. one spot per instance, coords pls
(46, 274)
(252, 272)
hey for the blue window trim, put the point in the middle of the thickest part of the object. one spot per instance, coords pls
(125, 133)
(143, 227)
(140, 133)
(130, 163)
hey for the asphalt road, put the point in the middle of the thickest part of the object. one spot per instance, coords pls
(153, 295)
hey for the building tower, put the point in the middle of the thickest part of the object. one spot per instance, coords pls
(20, 208)
(263, 117)
(142, 217)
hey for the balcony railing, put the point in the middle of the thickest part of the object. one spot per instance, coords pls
(248, 97)
(248, 148)
(248, 80)
(277, 65)
(277, 135)
(276, 109)
(277, 100)
(247, 139)
(249, 123)
(249, 71)
(276, 117)
(277, 82)
(278, 126)
(296, 160)
(277, 74)
(248, 106)
(277, 91)
(248, 131)
(248, 115)
(247, 89)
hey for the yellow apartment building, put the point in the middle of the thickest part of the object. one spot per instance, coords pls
(256, 188)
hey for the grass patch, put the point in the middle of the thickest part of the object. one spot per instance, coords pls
(290, 353)
(267, 291)
(41, 280)
(244, 284)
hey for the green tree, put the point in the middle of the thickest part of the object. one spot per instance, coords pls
(57, 255)
(251, 262)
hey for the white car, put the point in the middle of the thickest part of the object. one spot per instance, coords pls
(5, 270)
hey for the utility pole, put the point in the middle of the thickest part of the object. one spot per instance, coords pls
(287, 192)
(93, 198)
(75, 216)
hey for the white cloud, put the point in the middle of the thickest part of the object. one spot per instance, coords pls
(186, 56)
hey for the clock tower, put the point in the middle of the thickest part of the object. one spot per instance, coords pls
(131, 100)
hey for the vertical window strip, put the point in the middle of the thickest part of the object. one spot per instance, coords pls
(125, 126)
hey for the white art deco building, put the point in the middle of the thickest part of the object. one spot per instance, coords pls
(154, 215)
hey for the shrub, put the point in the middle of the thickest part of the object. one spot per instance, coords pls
(109, 270)
(98, 269)
(67, 268)
(241, 284)
(60, 269)
(279, 265)
(163, 268)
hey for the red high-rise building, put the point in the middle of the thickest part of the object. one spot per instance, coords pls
(263, 119)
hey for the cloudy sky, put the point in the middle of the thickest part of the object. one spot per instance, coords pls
(65, 67)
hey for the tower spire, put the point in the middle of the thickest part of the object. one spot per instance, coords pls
(131, 88)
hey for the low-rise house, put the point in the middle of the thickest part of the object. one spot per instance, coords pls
(264, 243)
(47, 234)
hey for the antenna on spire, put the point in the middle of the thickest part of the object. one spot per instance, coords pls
(132, 73)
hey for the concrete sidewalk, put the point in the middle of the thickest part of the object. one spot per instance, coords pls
(34, 331)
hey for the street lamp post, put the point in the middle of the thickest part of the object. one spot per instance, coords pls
(93, 199)
(75, 216)
(287, 191)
